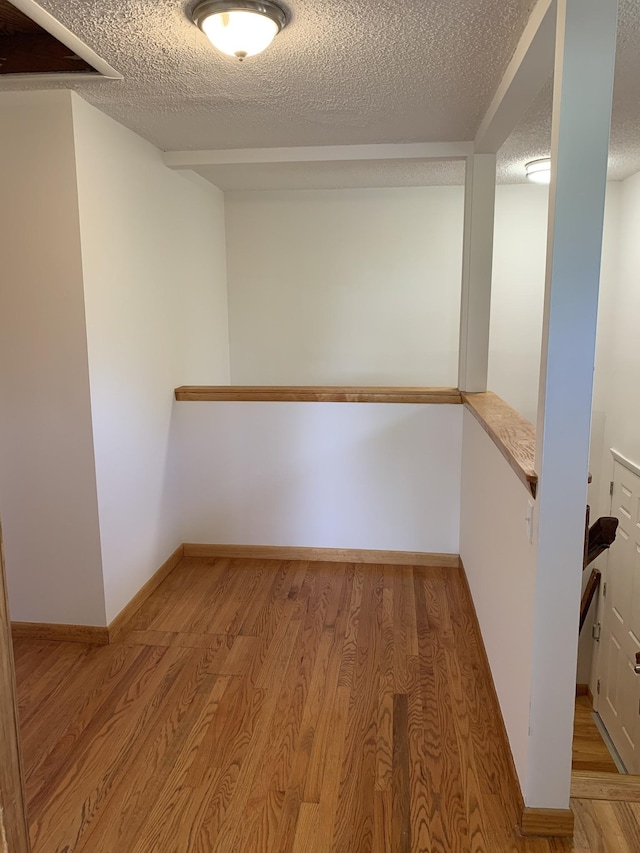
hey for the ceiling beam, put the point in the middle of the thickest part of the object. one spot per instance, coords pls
(319, 154)
(60, 32)
(530, 68)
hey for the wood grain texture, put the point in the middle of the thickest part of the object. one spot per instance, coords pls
(14, 833)
(333, 555)
(14, 21)
(93, 634)
(25, 47)
(39, 53)
(281, 706)
(117, 625)
(318, 394)
(551, 822)
(589, 749)
(592, 785)
(587, 597)
(512, 434)
(401, 793)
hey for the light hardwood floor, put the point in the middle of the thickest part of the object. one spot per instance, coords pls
(589, 749)
(281, 706)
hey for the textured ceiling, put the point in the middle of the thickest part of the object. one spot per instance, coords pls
(532, 137)
(342, 72)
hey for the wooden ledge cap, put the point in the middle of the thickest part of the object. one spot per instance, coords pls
(318, 394)
(512, 434)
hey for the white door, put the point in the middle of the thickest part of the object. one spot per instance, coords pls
(619, 686)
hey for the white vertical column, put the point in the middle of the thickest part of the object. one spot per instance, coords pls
(583, 83)
(477, 258)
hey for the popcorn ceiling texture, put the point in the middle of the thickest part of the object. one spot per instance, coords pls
(342, 72)
(532, 137)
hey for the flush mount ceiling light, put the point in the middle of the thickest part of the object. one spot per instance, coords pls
(539, 171)
(239, 28)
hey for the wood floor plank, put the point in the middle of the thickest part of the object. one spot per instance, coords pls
(629, 819)
(185, 596)
(178, 810)
(49, 740)
(401, 803)
(256, 603)
(589, 785)
(88, 778)
(403, 645)
(242, 775)
(284, 706)
(325, 731)
(351, 630)
(195, 695)
(448, 825)
(51, 665)
(267, 659)
(354, 818)
(306, 828)
(382, 821)
(294, 785)
(470, 777)
(336, 747)
(609, 830)
(266, 801)
(384, 732)
(590, 753)
(418, 780)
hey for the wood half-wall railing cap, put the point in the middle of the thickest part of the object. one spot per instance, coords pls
(513, 435)
(318, 394)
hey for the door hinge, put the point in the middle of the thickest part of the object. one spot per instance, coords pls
(611, 488)
(595, 632)
(604, 590)
(598, 687)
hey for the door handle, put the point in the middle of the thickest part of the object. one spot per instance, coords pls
(636, 668)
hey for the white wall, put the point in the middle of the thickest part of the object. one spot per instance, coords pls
(336, 475)
(500, 565)
(155, 292)
(48, 498)
(517, 291)
(517, 295)
(345, 286)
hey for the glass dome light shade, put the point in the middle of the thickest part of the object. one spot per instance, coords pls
(241, 28)
(539, 171)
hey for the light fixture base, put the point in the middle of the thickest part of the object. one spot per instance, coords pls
(539, 171)
(262, 7)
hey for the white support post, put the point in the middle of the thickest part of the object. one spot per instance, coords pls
(583, 84)
(477, 258)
